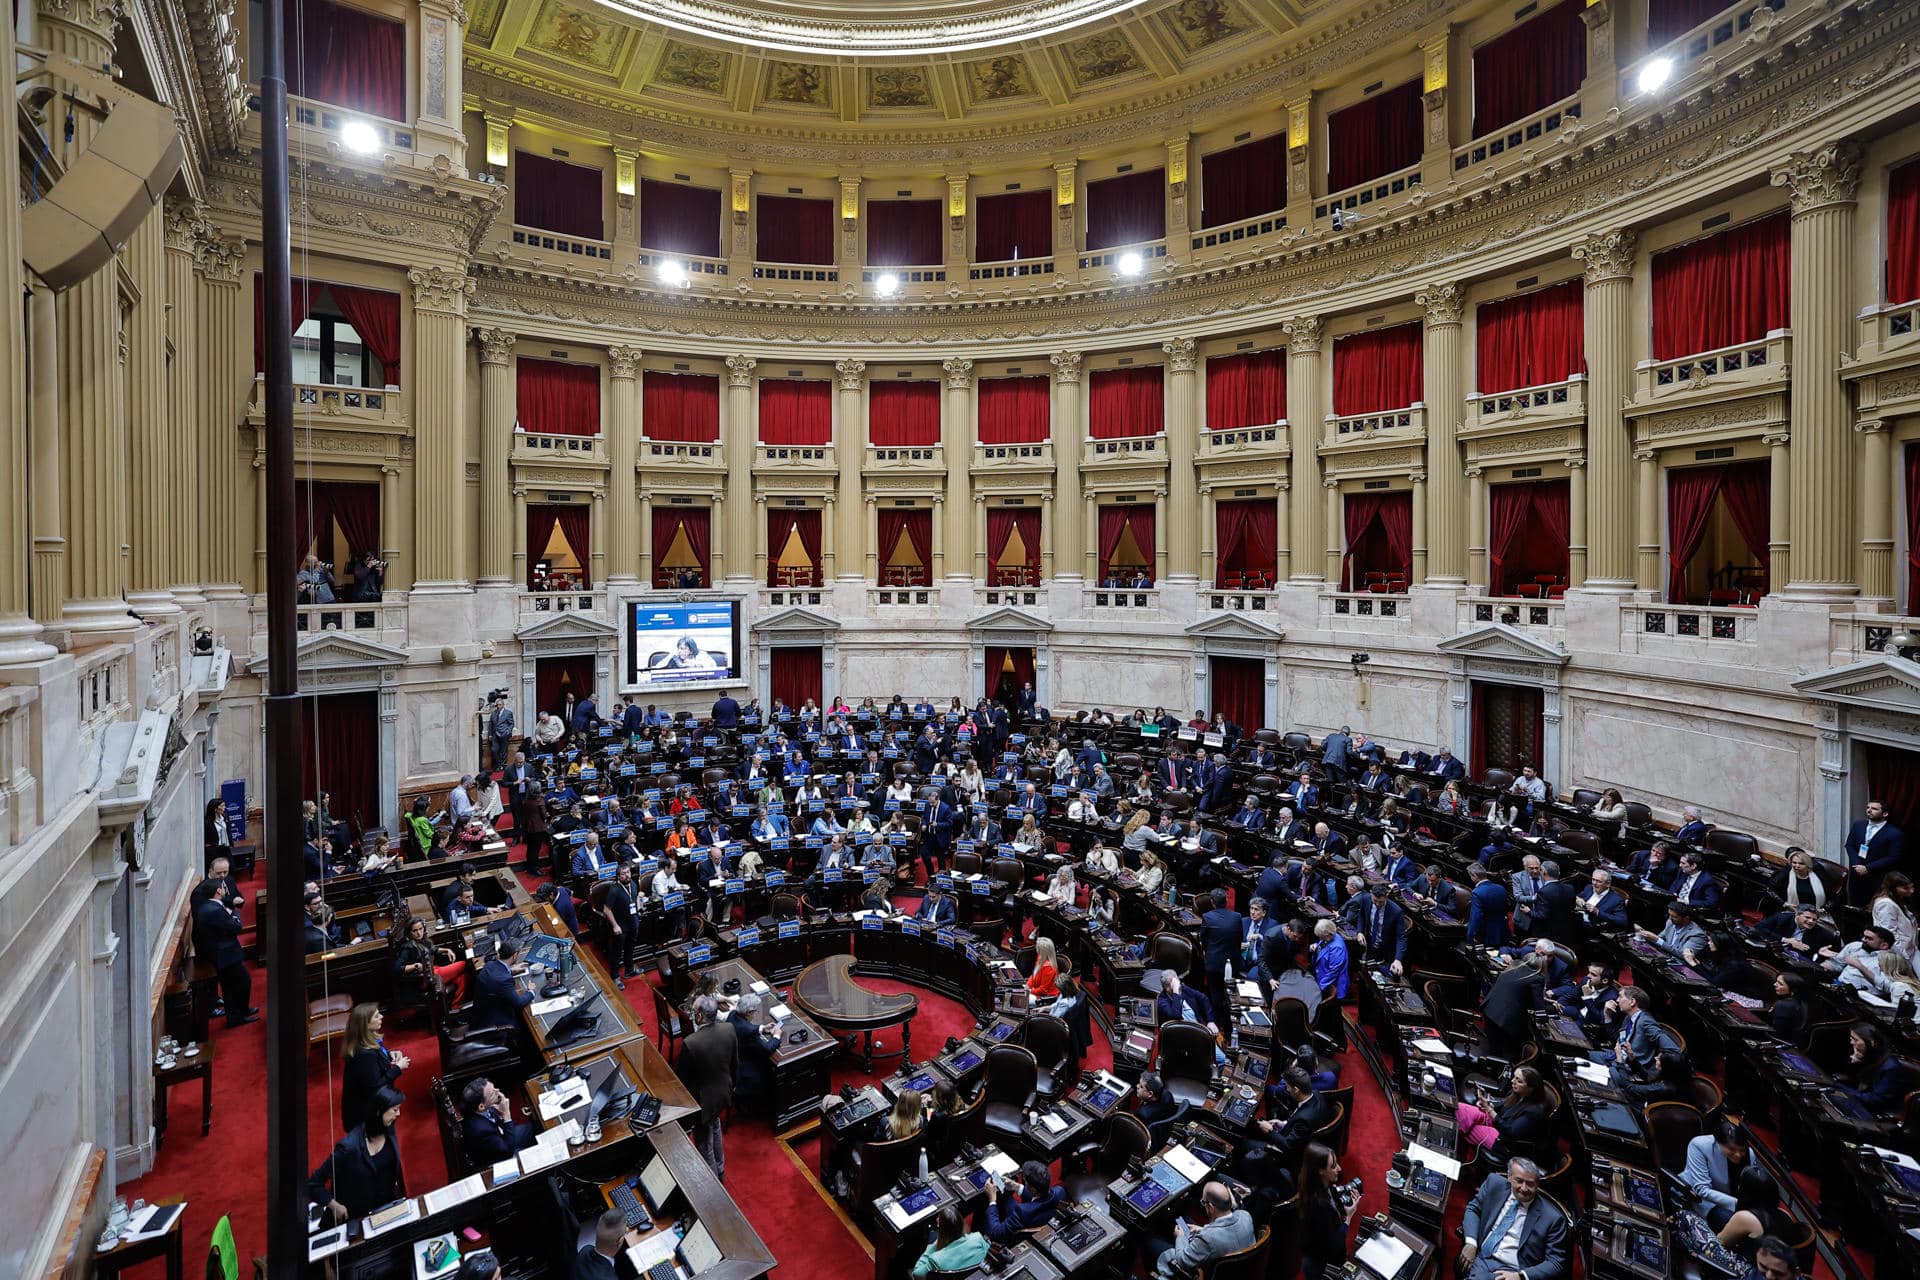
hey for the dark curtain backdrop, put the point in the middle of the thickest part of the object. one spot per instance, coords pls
(903, 414)
(556, 398)
(1747, 492)
(1002, 522)
(1530, 67)
(1669, 18)
(1377, 371)
(1744, 486)
(794, 229)
(347, 57)
(1007, 671)
(677, 218)
(1129, 209)
(1893, 778)
(301, 303)
(558, 196)
(1013, 226)
(1015, 410)
(1246, 534)
(1243, 181)
(1374, 137)
(1913, 531)
(555, 678)
(321, 504)
(340, 754)
(1729, 288)
(1477, 731)
(1527, 532)
(1379, 530)
(541, 521)
(918, 528)
(795, 675)
(1246, 390)
(668, 523)
(782, 524)
(375, 316)
(1239, 688)
(682, 407)
(905, 233)
(793, 412)
(1125, 402)
(1531, 339)
(577, 528)
(1903, 233)
(1116, 519)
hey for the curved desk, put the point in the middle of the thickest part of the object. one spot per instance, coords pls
(826, 992)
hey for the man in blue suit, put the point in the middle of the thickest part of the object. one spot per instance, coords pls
(1637, 1046)
(1403, 870)
(1487, 909)
(726, 712)
(1178, 1001)
(1657, 866)
(1250, 818)
(497, 1000)
(1336, 753)
(1220, 932)
(216, 938)
(935, 910)
(488, 1128)
(1602, 904)
(936, 836)
(1038, 1200)
(1260, 955)
(1511, 1230)
(1272, 886)
(1445, 767)
(1873, 849)
(1327, 842)
(1217, 792)
(1381, 923)
(1692, 829)
(1695, 885)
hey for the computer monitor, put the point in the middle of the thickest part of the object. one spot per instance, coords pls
(698, 1250)
(611, 1093)
(656, 1183)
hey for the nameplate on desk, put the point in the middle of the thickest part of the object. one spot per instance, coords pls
(740, 811)
(747, 937)
(663, 824)
(699, 953)
(813, 842)
(963, 846)
(890, 753)
(736, 885)
(831, 875)
(911, 928)
(869, 778)
(628, 771)
(651, 793)
(816, 806)
(812, 735)
(776, 878)
(872, 922)
(982, 887)
(658, 766)
(1057, 791)
(709, 741)
(943, 882)
(674, 900)
(789, 928)
(944, 939)
(778, 842)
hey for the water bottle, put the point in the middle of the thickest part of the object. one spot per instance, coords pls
(923, 1166)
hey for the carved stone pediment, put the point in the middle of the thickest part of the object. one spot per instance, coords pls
(1236, 627)
(1495, 641)
(793, 622)
(1007, 619)
(1882, 683)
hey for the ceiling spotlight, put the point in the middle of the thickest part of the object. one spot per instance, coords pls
(886, 284)
(358, 135)
(673, 272)
(1654, 75)
(1130, 263)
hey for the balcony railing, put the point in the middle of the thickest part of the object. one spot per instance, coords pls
(1271, 438)
(796, 273)
(1131, 599)
(1012, 269)
(535, 605)
(1128, 449)
(1239, 600)
(1859, 636)
(1552, 399)
(1765, 358)
(554, 242)
(793, 597)
(1411, 420)
(1514, 611)
(1889, 325)
(1365, 610)
(696, 266)
(353, 406)
(1544, 123)
(705, 452)
(533, 446)
(806, 457)
(313, 116)
(19, 807)
(905, 275)
(1705, 45)
(359, 616)
(1037, 455)
(1687, 629)
(917, 456)
(893, 599)
(105, 683)
(1370, 192)
(1260, 224)
(1031, 597)
(1148, 251)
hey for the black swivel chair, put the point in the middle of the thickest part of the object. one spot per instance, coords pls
(1184, 1053)
(1011, 1076)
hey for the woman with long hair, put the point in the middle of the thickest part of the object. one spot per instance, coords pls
(416, 956)
(367, 1065)
(1515, 1122)
(363, 1172)
(954, 1248)
(1756, 1212)
(1044, 981)
(909, 1114)
(1796, 884)
(1892, 909)
(1324, 1214)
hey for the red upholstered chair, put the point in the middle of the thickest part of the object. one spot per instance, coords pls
(1558, 591)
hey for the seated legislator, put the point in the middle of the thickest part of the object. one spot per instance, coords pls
(1511, 1229)
(487, 1127)
(1033, 1204)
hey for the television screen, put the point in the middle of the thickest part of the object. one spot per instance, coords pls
(673, 644)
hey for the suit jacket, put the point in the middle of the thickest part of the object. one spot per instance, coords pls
(1781, 924)
(591, 1264)
(1250, 819)
(1295, 830)
(1513, 998)
(1008, 1216)
(1403, 871)
(489, 1141)
(216, 934)
(1882, 853)
(1391, 945)
(1272, 886)
(1301, 796)
(1314, 1112)
(1169, 1006)
(1335, 749)
(1662, 876)
(1175, 775)
(1260, 954)
(1707, 1175)
(1705, 893)
(936, 910)
(1543, 1246)
(1690, 832)
(1487, 914)
(1553, 911)
(709, 1065)
(496, 1000)
(1449, 769)
(1220, 932)
(1644, 1041)
(756, 1058)
(1160, 1116)
(1609, 908)
(1226, 1234)
(726, 712)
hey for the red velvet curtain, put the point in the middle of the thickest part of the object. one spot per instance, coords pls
(783, 523)
(1729, 288)
(677, 218)
(668, 524)
(1667, 19)
(301, 303)
(795, 413)
(905, 233)
(1001, 524)
(1527, 533)
(1239, 691)
(575, 527)
(1530, 67)
(1014, 226)
(556, 398)
(340, 755)
(559, 196)
(1011, 666)
(1129, 209)
(555, 678)
(1530, 339)
(1747, 492)
(794, 675)
(1117, 519)
(1243, 181)
(1913, 529)
(1380, 532)
(347, 57)
(795, 229)
(1015, 410)
(1893, 778)
(541, 521)
(1247, 537)
(1903, 233)
(1374, 137)
(918, 528)
(1246, 390)
(682, 407)
(903, 414)
(375, 316)
(1377, 371)
(1690, 495)
(322, 504)
(1126, 402)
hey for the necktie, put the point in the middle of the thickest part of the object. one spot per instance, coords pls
(1501, 1226)
(1375, 937)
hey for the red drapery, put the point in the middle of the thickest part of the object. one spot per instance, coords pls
(1246, 390)
(1530, 67)
(1002, 522)
(1247, 535)
(559, 196)
(1377, 371)
(1913, 528)
(1115, 521)
(794, 229)
(555, 398)
(1903, 233)
(677, 218)
(340, 755)
(1527, 532)
(1015, 410)
(375, 316)
(320, 505)
(1243, 181)
(1531, 339)
(1374, 137)
(1013, 226)
(1239, 691)
(1669, 18)
(793, 412)
(1129, 209)
(573, 524)
(1126, 402)
(904, 233)
(347, 57)
(575, 527)
(918, 528)
(1893, 778)
(1729, 288)
(1379, 536)
(1744, 486)
(301, 303)
(668, 524)
(1747, 491)
(1007, 667)
(903, 414)
(680, 406)
(794, 675)
(783, 525)
(555, 678)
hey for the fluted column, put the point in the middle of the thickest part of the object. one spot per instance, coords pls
(1476, 530)
(226, 370)
(497, 411)
(1445, 395)
(1422, 514)
(1305, 409)
(1283, 526)
(19, 632)
(623, 457)
(183, 231)
(1333, 532)
(737, 429)
(1609, 350)
(1646, 489)
(1069, 542)
(957, 432)
(1183, 491)
(1821, 521)
(1576, 519)
(1779, 517)
(153, 498)
(440, 522)
(48, 588)
(1876, 511)
(850, 450)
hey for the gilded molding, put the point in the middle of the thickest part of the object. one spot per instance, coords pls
(1180, 354)
(1607, 255)
(1822, 177)
(97, 17)
(1066, 367)
(623, 361)
(740, 370)
(496, 344)
(220, 259)
(435, 289)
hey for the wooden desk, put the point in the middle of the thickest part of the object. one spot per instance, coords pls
(1025, 1261)
(827, 993)
(643, 1068)
(130, 1253)
(799, 1068)
(1414, 1267)
(744, 1255)
(199, 1067)
(589, 981)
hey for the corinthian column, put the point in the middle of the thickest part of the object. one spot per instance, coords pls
(1305, 409)
(154, 495)
(1609, 351)
(850, 450)
(226, 371)
(623, 456)
(496, 452)
(1183, 482)
(957, 433)
(1068, 516)
(1820, 506)
(737, 430)
(1445, 398)
(183, 230)
(440, 523)
(19, 633)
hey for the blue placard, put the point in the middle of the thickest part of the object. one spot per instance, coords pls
(1058, 791)
(870, 779)
(674, 900)
(776, 878)
(890, 753)
(831, 875)
(814, 842)
(646, 866)
(736, 886)
(629, 770)
(897, 839)
(979, 806)
(747, 937)
(789, 928)
(699, 953)
(963, 846)
(982, 887)
(816, 806)
(233, 806)
(663, 824)
(1018, 740)
(944, 939)
(578, 835)
(812, 736)
(741, 811)
(709, 741)
(910, 928)
(589, 774)
(658, 766)
(651, 793)
(779, 843)
(943, 882)
(872, 922)
(697, 762)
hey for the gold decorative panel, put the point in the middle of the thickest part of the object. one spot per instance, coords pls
(690, 67)
(1005, 76)
(1100, 57)
(800, 83)
(1199, 23)
(483, 20)
(590, 39)
(898, 87)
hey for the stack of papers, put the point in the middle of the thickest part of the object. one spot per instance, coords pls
(1053, 1123)
(1384, 1255)
(1442, 1164)
(1000, 1165)
(569, 1095)
(655, 1248)
(559, 1004)
(454, 1193)
(1249, 990)
(1432, 1046)
(1592, 1071)
(780, 1012)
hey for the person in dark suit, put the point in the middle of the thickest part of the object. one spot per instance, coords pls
(935, 910)
(621, 909)
(1261, 956)
(1286, 828)
(1803, 931)
(1326, 1216)
(1301, 793)
(1336, 753)
(497, 1000)
(1487, 909)
(1444, 767)
(599, 1260)
(757, 1044)
(1220, 932)
(1403, 870)
(1328, 843)
(487, 1127)
(1602, 904)
(450, 892)
(363, 1171)
(1272, 884)
(1695, 885)
(1692, 829)
(1037, 1200)
(1512, 1000)
(1153, 1108)
(1511, 1230)
(1640, 1041)
(1381, 923)
(1873, 1074)
(936, 836)
(216, 938)
(1873, 849)
(368, 1067)
(1553, 906)
(1270, 1159)
(1657, 866)
(1178, 1001)
(709, 1065)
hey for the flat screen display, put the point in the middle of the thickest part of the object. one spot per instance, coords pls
(676, 644)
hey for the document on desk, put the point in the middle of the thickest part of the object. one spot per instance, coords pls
(1053, 1123)
(1000, 1164)
(506, 1171)
(1248, 990)
(455, 1193)
(559, 1004)
(553, 1102)
(381, 1221)
(1894, 1157)
(1383, 1254)
(900, 1219)
(1592, 1071)
(780, 1011)
(1432, 1046)
(1434, 1160)
(654, 1249)
(1186, 1164)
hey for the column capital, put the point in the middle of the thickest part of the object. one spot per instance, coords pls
(1180, 354)
(101, 17)
(1576, 463)
(1330, 483)
(437, 289)
(1821, 177)
(496, 344)
(1775, 440)
(853, 374)
(1871, 426)
(1608, 255)
(1284, 485)
(740, 370)
(1444, 304)
(220, 259)
(1471, 473)
(1418, 477)
(1646, 455)
(1303, 334)
(1066, 367)
(623, 361)
(186, 225)
(959, 373)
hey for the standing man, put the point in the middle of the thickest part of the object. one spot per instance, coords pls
(726, 712)
(499, 732)
(516, 783)
(216, 936)
(1336, 754)
(1873, 849)
(709, 1065)
(621, 907)
(1221, 930)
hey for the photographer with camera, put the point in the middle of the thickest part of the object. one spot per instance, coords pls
(314, 582)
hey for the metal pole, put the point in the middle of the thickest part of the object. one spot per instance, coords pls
(286, 942)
